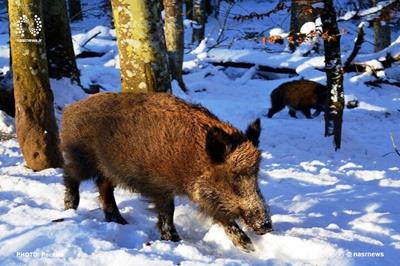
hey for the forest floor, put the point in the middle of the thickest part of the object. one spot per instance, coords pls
(328, 207)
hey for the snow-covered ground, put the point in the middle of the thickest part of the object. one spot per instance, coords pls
(329, 208)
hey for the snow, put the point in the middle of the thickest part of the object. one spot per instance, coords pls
(328, 208)
(308, 27)
(277, 32)
(6, 124)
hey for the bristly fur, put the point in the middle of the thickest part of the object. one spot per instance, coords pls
(299, 95)
(161, 146)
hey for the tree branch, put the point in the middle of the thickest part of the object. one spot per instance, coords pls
(357, 46)
(390, 4)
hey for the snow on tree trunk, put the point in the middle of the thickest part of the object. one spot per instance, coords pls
(381, 30)
(199, 15)
(334, 74)
(301, 12)
(60, 51)
(141, 45)
(35, 121)
(75, 9)
(174, 38)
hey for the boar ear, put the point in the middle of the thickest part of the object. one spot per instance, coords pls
(218, 144)
(253, 132)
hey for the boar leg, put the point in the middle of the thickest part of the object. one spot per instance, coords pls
(316, 113)
(165, 223)
(275, 109)
(238, 237)
(71, 196)
(306, 112)
(292, 113)
(107, 201)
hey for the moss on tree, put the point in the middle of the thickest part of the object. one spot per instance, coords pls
(141, 45)
(35, 121)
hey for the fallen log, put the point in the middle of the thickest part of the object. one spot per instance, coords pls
(259, 67)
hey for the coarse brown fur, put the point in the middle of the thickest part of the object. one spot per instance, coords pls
(161, 146)
(299, 95)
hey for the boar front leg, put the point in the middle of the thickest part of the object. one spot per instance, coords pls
(107, 201)
(238, 237)
(71, 197)
(165, 223)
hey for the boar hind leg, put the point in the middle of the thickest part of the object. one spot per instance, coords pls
(165, 223)
(292, 113)
(71, 196)
(238, 237)
(306, 112)
(275, 109)
(107, 201)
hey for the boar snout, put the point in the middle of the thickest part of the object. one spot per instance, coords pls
(263, 228)
(259, 220)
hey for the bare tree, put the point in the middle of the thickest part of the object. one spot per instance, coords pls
(141, 46)
(35, 120)
(60, 51)
(334, 73)
(199, 15)
(174, 39)
(381, 29)
(189, 9)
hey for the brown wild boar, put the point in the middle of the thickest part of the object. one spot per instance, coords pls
(299, 95)
(160, 146)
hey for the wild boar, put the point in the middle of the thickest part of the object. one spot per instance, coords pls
(161, 147)
(299, 95)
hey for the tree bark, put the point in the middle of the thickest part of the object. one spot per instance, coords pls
(199, 16)
(334, 74)
(35, 121)
(189, 9)
(75, 10)
(60, 50)
(301, 12)
(381, 35)
(141, 45)
(174, 39)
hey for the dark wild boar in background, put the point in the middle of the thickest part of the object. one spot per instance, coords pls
(299, 95)
(161, 147)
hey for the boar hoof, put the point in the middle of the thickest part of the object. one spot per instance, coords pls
(174, 237)
(116, 218)
(245, 244)
(71, 202)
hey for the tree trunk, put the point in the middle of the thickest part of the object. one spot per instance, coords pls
(75, 10)
(189, 9)
(381, 30)
(141, 45)
(174, 39)
(60, 51)
(199, 16)
(334, 74)
(35, 120)
(301, 12)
